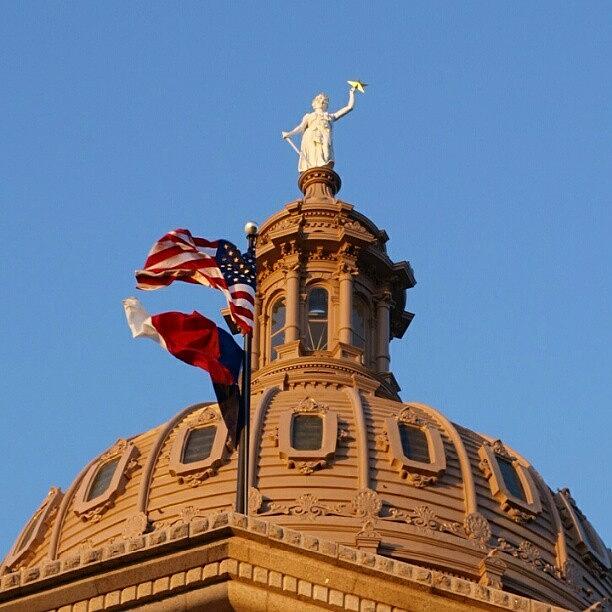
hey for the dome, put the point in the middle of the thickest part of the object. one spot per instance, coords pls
(335, 455)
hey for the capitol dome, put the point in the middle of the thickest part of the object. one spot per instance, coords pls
(357, 500)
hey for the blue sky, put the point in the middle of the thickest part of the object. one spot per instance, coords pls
(482, 146)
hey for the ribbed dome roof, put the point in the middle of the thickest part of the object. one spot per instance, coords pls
(356, 495)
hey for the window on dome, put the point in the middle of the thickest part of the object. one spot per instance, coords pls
(590, 546)
(414, 447)
(277, 326)
(102, 479)
(316, 328)
(360, 322)
(27, 534)
(414, 443)
(306, 432)
(511, 478)
(34, 530)
(510, 482)
(199, 444)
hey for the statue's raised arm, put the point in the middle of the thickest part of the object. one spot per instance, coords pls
(316, 128)
(345, 110)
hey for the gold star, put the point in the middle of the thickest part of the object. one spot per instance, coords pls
(358, 85)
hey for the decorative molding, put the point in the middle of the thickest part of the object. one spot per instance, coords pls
(415, 473)
(491, 570)
(135, 525)
(477, 528)
(93, 509)
(195, 473)
(229, 567)
(519, 510)
(33, 532)
(308, 461)
(423, 518)
(528, 552)
(588, 542)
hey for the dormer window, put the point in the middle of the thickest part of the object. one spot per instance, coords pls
(414, 447)
(316, 320)
(307, 436)
(199, 444)
(510, 482)
(102, 479)
(198, 450)
(105, 480)
(277, 326)
(590, 546)
(33, 533)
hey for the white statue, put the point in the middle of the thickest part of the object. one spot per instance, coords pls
(317, 148)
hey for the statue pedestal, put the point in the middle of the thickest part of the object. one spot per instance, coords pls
(319, 183)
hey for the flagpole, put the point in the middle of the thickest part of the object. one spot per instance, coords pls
(242, 496)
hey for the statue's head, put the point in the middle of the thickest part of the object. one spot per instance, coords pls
(320, 101)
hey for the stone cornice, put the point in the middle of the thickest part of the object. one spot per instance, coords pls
(189, 555)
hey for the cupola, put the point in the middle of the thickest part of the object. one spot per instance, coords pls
(329, 295)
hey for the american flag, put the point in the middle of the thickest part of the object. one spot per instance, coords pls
(218, 264)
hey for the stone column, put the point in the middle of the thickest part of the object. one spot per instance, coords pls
(383, 306)
(292, 326)
(256, 335)
(345, 326)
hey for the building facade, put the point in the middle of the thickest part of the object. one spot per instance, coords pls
(357, 501)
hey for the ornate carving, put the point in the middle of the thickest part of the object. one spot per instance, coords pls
(485, 467)
(365, 504)
(347, 267)
(409, 416)
(96, 513)
(310, 406)
(307, 467)
(197, 478)
(135, 525)
(272, 436)
(518, 516)
(499, 449)
(527, 552)
(343, 433)
(417, 480)
(306, 505)
(477, 528)
(382, 441)
(423, 518)
(116, 449)
(255, 501)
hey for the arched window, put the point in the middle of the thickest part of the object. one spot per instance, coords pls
(316, 320)
(306, 432)
(277, 326)
(199, 444)
(102, 479)
(360, 322)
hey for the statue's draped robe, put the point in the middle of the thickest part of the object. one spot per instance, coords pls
(317, 148)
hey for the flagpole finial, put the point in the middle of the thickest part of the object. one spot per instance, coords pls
(250, 229)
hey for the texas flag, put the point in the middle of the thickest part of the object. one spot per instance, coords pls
(196, 340)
